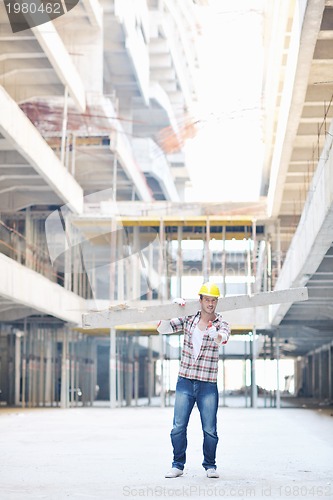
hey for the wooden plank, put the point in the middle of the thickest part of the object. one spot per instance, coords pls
(127, 315)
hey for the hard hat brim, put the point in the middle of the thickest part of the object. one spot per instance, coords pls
(209, 295)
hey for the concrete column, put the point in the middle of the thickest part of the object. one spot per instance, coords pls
(269, 265)
(278, 247)
(41, 371)
(113, 371)
(162, 261)
(24, 362)
(120, 267)
(18, 337)
(330, 368)
(48, 369)
(316, 374)
(254, 253)
(77, 369)
(306, 377)
(299, 374)
(162, 395)
(179, 261)
(72, 384)
(206, 260)
(324, 355)
(254, 402)
(30, 366)
(64, 128)
(150, 271)
(75, 262)
(9, 374)
(115, 172)
(136, 376)
(113, 253)
(28, 239)
(150, 370)
(54, 379)
(320, 374)
(278, 398)
(249, 268)
(327, 372)
(92, 371)
(129, 371)
(64, 395)
(244, 373)
(136, 269)
(311, 375)
(223, 263)
(120, 371)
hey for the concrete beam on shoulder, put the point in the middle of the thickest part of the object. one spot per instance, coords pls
(123, 314)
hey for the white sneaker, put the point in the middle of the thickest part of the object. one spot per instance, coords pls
(174, 472)
(212, 473)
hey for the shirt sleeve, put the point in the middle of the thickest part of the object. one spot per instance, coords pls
(173, 326)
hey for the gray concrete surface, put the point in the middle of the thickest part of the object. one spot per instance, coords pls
(98, 453)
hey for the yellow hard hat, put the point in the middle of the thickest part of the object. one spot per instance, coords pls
(210, 289)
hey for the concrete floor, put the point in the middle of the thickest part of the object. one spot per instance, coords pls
(98, 453)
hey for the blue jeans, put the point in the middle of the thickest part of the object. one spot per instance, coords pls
(205, 394)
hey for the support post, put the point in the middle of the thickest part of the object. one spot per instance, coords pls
(18, 336)
(150, 271)
(64, 395)
(120, 372)
(254, 399)
(278, 247)
(120, 265)
(224, 286)
(150, 370)
(136, 265)
(249, 268)
(206, 260)
(113, 254)
(136, 373)
(115, 172)
(64, 127)
(162, 262)
(254, 254)
(330, 395)
(179, 261)
(73, 154)
(278, 398)
(113, 378)
(129, 371)
(162, 395)
(244, 372)
(320, 374)
(48, 368)
(24, 362)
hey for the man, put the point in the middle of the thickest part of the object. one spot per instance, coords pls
(204, 332)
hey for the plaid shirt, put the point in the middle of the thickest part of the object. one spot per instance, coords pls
(205, 367)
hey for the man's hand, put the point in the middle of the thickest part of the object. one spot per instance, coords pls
(179, 301)
(211, 330)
